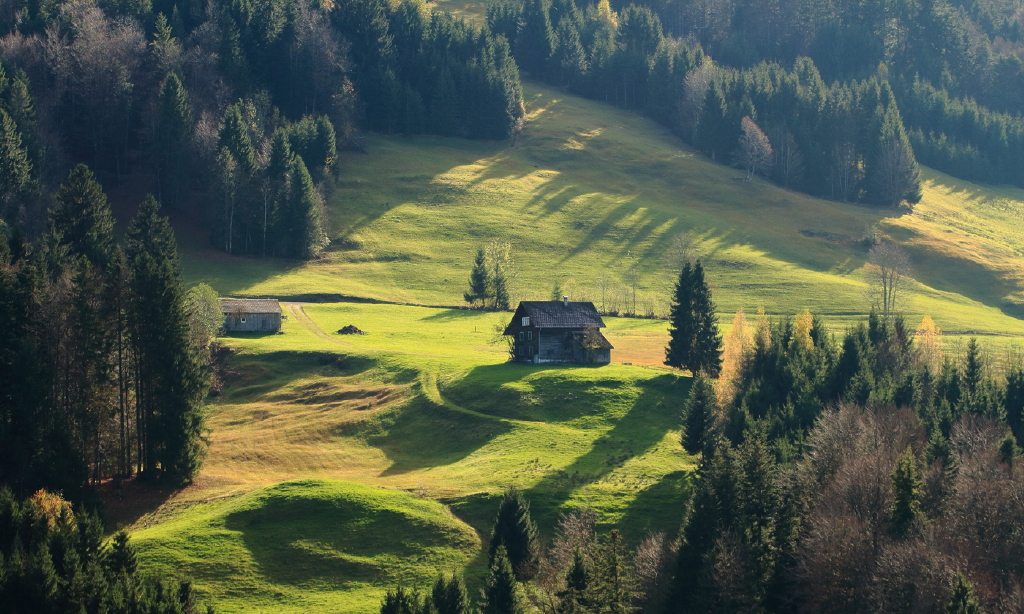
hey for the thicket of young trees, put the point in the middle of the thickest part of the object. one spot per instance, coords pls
(235, 108)
(103, 353)
(54, 560)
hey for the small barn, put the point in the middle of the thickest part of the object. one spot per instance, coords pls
(558, 331)
(243, 315)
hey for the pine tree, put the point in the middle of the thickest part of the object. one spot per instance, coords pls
(516, 532)
(503, 594)
(610, 588)
(172, 380)
(15, 169)
(121, 557)
(694, 341)
(683, 329)
(961, 598)
(1013, 402)
(573, 600)
(479, 281)
(82, 219)
(699, 417)
(449, 596)
(174, 130)
(536, 40)
(905, 516)
(234, 137)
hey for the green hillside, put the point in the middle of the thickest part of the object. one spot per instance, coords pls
(589, 192)
(309, 544)
(425, 403)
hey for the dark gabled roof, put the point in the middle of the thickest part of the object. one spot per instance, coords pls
(602, 341)
(556, 314)
(229, 306)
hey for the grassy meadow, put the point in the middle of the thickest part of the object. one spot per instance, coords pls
(406, 436)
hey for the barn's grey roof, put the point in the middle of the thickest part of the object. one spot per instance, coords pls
(249, 305)
(602, 341)
(557, 314)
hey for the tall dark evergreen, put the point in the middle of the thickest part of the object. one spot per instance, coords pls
(15, 170)
(449, 595)
(503, 595)
(694, 341)
(301, 227)
(906, 516)
(82, 220)
(699, 417)
(536, 41)
(174, 133)
(171, 380)
(515, 532)
(961, 598)
(479, 282)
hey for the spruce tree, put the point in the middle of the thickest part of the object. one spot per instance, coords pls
(905, 515)
(611, 587)
(516, 532)
(234, 136)
(706, 356)
(449, 595)
(699, 417)
(683, 328)
(82, 220)
(479, 282)
(572, 600)
(15, 168)
(502, 594)
(174, 130)
(694, 341)
(536, 40)
(961, 598)
(172, 380)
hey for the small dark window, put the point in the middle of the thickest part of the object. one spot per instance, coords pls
(243, 320)
(520, 335)
(529, 335)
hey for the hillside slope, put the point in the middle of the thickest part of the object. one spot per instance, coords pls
(591, 192)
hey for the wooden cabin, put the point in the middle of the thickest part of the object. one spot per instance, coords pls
(558, 331)
(248, 315)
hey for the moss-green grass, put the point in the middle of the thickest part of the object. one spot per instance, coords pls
(425, 402)
(589, 191)
(308, 545)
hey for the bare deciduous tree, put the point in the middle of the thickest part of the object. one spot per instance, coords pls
(755, 152)
(695, 88)
(787, 160)
(888, 276)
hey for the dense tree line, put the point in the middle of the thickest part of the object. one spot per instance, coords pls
(54, 560)
(104, 359)
(846, 141)
(237, 108)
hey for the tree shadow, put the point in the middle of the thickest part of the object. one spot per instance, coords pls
(639, 430)
(658, 508)
(423, 434)
(125, 502)
(486, 389)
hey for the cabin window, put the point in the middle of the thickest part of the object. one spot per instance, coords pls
(526, 321)
(520, 335)
(243, 320)
(529, 335)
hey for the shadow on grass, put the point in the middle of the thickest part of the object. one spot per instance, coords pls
(250, 375)
(423, 434)
(633, 435)
(553, 394)
(659, 507)
(126, 501)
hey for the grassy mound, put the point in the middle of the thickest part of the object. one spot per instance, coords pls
(305, 545)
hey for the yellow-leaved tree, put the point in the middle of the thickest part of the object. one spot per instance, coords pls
(802, 331)
(929, 345)
(736, 344)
